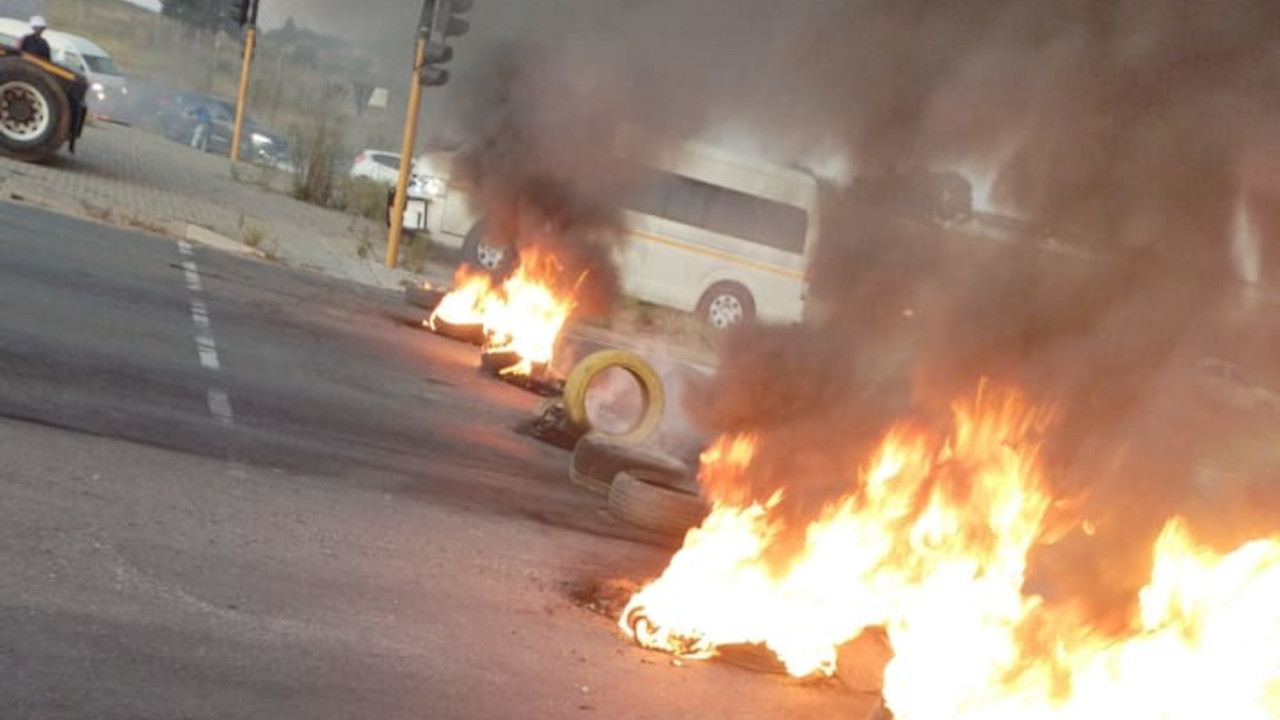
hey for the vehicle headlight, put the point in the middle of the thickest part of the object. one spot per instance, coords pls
(124, 89)
(434, 187)
(260, 140)
(97, 87)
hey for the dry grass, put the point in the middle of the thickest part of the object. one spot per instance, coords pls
(363, 197)
(252, 235)
(151, 47)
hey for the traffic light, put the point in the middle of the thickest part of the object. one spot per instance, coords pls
(440, 18)
(451, 22)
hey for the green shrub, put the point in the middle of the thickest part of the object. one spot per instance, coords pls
(363, 197)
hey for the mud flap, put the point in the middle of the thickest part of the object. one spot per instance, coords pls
(79, 114)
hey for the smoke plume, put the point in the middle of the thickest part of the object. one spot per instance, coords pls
(1126, 130)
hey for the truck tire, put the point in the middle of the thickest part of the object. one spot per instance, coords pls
(579, 380)
(726, 304)
(597, 460)
(654, 507)
(35, 115)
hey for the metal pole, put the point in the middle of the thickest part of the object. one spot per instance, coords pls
(406, 153)
(242, 99)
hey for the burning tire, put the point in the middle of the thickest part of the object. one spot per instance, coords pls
(35, 115)
(652, 506)
(726, 304)
(597, 460)
(579, 380)
(471, 334)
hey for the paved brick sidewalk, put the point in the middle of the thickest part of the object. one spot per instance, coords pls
(130, 177)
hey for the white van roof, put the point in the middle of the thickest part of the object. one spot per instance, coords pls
(726, 169)
(82, 45)
(14, 27)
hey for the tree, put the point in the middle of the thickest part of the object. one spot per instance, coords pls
(205, 14)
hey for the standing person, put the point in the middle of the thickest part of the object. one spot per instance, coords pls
(34, 42)
(204, 122)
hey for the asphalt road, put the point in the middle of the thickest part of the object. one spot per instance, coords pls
(232, 490)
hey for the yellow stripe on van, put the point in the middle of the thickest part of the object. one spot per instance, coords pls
(720, 255)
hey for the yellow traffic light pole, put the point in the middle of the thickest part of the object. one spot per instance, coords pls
(242, 97)
(396, 229)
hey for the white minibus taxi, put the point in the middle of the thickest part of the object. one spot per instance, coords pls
(709, 232)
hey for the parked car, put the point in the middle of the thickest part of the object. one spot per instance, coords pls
(377, 165)
(175, 119)
(944, 197)
(108, 95)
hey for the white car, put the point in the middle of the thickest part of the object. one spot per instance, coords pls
(425, 184)
(108, 88)
(377, 165)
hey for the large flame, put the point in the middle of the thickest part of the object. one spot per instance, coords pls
(523, 314)
(931, 543)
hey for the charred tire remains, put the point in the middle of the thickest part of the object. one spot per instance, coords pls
(35, 115)
(654, 507)
(579, 380)
(726, 304)
(597, 460)
(472, 334)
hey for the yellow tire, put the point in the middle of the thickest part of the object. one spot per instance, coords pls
(655, 399)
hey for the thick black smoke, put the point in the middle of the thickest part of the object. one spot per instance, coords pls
(1127, 130)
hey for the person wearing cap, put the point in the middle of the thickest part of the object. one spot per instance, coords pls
(34, 42)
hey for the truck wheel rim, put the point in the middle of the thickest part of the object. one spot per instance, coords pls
(725, 311)
(25, 115)
(489, 257)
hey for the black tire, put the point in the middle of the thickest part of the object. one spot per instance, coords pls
(470, 334)
(35, 115)
(597, 460)
(421, 297)
(726, 304)
(477, 254)
(663, 510)
(494, 362)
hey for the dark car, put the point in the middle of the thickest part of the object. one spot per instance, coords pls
(945, 197)
(175, 118)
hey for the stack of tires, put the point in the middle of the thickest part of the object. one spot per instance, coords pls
(645, 487)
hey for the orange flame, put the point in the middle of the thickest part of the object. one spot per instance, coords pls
(524, 314)
(931, 543)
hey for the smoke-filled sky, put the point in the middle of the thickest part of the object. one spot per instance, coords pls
(1137, 129)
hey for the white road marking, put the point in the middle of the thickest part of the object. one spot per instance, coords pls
(220, 406)
(200, 314)
(208, 351)
(193, 275)
(206, 347)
